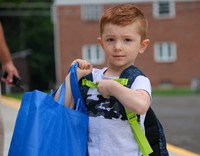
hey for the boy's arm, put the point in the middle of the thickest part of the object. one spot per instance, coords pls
(83, 69)
(137, 101)
(68, 95)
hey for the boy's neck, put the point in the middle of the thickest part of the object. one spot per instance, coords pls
(114, 72)
(111, 73)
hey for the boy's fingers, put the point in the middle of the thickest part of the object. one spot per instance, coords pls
(75, 61)
(82, 64)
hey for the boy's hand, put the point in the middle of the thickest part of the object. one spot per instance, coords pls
(84, 68)
(105, 87)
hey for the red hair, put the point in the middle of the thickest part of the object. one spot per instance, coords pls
(123, 15)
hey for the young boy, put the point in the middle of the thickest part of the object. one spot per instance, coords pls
(123, 31)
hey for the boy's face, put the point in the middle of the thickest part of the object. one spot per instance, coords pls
(122, 44)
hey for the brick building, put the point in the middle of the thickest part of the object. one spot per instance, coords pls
(172, 58)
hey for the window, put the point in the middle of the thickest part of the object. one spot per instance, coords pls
(91, 12)
(93, 53)
(164, 9)
(165, 52)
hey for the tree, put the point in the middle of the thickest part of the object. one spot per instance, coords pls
(31, 28)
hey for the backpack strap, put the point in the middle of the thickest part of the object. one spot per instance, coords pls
(153, 128)
(131, 73)
(84, 89)
(139, 134)
(91, 84)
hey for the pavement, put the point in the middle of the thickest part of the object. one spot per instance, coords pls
(165, 111)
(180, 116)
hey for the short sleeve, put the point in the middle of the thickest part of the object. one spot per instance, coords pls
(142, 83)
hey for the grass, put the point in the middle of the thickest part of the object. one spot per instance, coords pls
(20, 95)
(173, 92)
(15, 95)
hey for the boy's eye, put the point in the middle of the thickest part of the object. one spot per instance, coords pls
(110, 40)
(128, 40)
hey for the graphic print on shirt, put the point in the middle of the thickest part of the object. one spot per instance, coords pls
(108, 108)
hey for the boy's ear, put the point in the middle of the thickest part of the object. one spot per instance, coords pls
(100, 41)
(144, 44)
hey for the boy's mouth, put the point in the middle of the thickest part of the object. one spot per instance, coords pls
(118, 56)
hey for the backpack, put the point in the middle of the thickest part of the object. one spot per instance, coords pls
(153, 129)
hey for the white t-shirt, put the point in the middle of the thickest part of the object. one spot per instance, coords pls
(109, 133)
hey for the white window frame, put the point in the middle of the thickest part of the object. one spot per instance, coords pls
(165, 52)
(93, 53)
(157, 7)
(91, 12)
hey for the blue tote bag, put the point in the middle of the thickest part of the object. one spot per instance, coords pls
(45, 127)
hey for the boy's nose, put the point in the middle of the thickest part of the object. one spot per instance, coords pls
(118, 46)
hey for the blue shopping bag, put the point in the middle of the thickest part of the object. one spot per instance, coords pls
(45, 127)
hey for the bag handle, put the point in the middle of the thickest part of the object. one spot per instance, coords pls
(61, 98)
(78, 100)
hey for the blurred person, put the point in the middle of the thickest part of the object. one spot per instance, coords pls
(9, 67)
